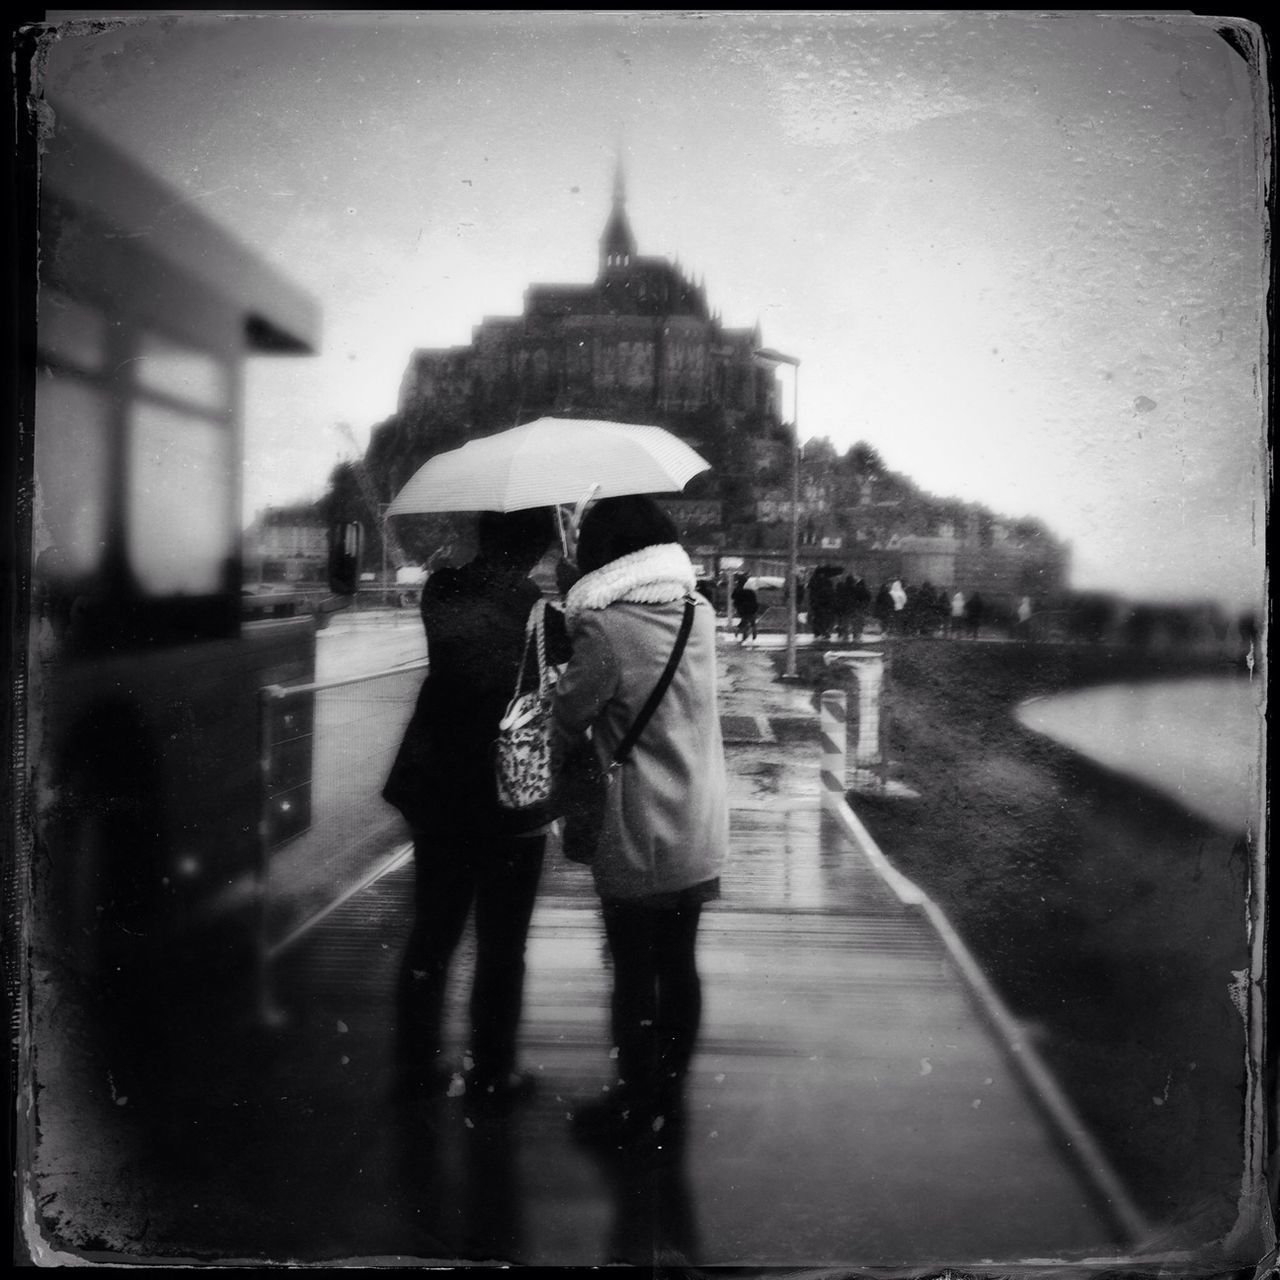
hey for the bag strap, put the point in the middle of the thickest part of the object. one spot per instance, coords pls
(540, 631)
(534, 627)
(623, 749)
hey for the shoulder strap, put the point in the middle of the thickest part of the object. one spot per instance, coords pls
(533, 630)
(623, 749)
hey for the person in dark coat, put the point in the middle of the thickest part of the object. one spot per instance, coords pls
(465, 847)
(822, 602)
(974, 611)
(883, 606)
(746, 604)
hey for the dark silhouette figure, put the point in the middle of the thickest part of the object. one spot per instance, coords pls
(883, 606)
(746, 605)
(920, 610)
(974, 611)
(823, 616)
(466, 849)
(845, 610)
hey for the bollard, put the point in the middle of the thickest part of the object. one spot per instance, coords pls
(870, 674)
(870, 767)
(834, 708)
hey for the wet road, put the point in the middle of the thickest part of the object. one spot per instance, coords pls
(849, 1104)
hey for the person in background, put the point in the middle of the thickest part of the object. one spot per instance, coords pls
(844, 608)
(922, 608)
(1025, 610)
(822, 603)
(746, 604)
(861, 598)
(898, 593)
(466, 848)
(666, 828)
(973, 614)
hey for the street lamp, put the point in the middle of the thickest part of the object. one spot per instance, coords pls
(775, 358)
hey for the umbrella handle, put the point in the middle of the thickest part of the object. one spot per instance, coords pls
(563, 530)
(569, 530)
(579, 510)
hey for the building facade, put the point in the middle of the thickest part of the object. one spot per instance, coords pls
(639, 343)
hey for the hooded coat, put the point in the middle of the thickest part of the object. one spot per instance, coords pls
(666, 824)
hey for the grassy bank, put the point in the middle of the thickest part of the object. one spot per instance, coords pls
(1109, 918)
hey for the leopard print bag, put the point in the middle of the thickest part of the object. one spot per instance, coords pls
(522, 749)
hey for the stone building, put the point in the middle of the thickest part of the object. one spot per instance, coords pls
(286, 544)
(639, 343)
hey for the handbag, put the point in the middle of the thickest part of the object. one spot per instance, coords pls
(583, 785)
(522, 749)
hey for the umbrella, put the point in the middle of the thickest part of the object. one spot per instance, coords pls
(551, 462)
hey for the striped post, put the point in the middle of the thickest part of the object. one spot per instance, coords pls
(834, 708)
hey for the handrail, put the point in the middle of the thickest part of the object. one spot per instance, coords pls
(276, 691)
(268, 695)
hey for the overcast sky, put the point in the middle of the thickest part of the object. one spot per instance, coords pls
(1020, 254)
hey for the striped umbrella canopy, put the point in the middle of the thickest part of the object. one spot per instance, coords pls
(551, 462)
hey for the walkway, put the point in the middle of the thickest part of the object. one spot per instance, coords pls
(849, 1106)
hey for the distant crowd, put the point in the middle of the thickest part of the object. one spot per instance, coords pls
(835, 605)
(838, 606)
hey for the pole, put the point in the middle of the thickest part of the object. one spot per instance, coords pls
(385, 505)
(775, 358)
(794, 570)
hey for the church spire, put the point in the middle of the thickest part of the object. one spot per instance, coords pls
(619, 182)
(617, 244)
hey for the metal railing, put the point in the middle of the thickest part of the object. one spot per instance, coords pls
(324, 830)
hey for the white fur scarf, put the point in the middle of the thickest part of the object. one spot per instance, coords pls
(653, 575)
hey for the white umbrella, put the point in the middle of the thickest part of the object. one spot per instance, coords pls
(551, 462)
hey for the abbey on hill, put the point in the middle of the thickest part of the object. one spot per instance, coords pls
(640, 343)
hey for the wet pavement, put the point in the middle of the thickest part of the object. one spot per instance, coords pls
(850, 1103)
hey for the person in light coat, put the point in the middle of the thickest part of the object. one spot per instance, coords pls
(666, 828)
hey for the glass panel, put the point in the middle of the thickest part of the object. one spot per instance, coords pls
(179, 512)
(182, 372)
(70, 332)
(72, 471)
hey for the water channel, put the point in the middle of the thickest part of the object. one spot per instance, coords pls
(1199, 740)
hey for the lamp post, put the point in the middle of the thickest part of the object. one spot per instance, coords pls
(775, 358)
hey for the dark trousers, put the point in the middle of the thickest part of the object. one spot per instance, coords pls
(657, 995)
(500, 875)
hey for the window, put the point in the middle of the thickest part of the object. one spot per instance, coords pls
(181, 373)
(179, 522)
(72, 465)
(180, 531)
